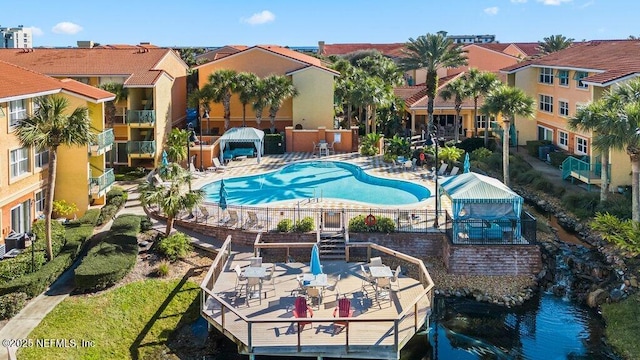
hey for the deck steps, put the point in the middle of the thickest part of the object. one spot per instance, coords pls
(332, 246)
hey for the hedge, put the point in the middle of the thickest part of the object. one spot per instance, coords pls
(532, 146)
(383, 225)
(11, 304)
(112, 259)
(115, 199)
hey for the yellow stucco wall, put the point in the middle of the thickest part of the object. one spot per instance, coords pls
(526, 80)
(178, 90)
(163, 107)
(314, 103)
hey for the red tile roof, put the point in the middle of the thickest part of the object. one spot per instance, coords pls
(18, 81)
(137, 64)
(611, 60)
(92, 92)
(391, 50)
(420, 100)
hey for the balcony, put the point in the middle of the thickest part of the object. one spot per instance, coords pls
(98, 186)
(104, 142)
(141, 148)
(141, 118)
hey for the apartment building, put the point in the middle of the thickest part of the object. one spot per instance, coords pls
(17, 37)
(565, 80)
(82, 176)
(155, 81)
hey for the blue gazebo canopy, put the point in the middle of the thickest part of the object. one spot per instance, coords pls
(481, 197)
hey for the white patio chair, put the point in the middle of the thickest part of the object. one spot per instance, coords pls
(443, 169)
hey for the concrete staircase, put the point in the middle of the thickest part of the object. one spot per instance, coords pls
(332, 246)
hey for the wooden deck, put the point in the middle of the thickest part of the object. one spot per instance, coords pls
(266, 326)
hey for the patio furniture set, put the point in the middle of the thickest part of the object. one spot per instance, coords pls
(323, 148)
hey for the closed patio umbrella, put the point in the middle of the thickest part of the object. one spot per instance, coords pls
(165, 163)
(467, 164)
(223, 196)
(316, 267)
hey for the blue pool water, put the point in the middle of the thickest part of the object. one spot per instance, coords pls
(326, 179)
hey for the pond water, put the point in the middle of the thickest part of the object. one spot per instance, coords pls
(546, 327)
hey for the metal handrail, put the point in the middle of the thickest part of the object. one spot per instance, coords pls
(104, 139)
(141, 147)
(103, 181)
(141, 116)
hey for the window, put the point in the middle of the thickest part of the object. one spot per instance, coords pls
(546, 76)
(39, 203)
(42, 158)
(118, 153)
(21, 217)
(546, 103)
(481, 121)
(581, 146)
(17, 112)
(563, 77)
(563, 139)
(545, 133)
(19, 160)
(579, 75)
(564, 108)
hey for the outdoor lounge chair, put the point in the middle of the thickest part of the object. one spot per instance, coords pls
(454, 171)
(159, 182)
(203, 214)
(343, 310)
(232, 220)
(405, 218)
(333, 288)
(302, 311)
(217, 166)
(443, 169)
(252, 221)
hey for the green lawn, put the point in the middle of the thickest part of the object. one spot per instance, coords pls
(133, 321)
(623, 326)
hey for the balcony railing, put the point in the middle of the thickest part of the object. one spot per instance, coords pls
(104, 142)
(141, 117)
(102, 182)
(141, 147)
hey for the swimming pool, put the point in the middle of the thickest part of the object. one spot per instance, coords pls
(309, 179)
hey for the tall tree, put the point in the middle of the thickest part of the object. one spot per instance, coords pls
(432, 52)
(597, 117)
(260, 99)
(624, 133)
(173, 198)
(246, 83)
(280, 89)
(221, 85)
(121, 93)
(199, 99)
(554, 43)
(480, 83)
(344, 87)
(176, 145)
(458, 90)
(508, 101)
(54, 125)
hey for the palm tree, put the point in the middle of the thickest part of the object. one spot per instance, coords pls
(176, 145)
(624, 133)
(171, 199)
(246, 82)
(344, 87)
(121, 93)
(222, 84)
(199, 99)
(554, 43)
(280, 89)
(457, 89)
(260, 99)
(508, 101)
(480, 83)
(50, 127)
(597, 117)
(431, 52)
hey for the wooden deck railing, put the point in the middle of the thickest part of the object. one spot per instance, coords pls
(216, 304)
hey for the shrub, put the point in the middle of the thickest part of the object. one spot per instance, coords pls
(480, 153)
(285, 225)
(107, 213)
(115, 191)
(90, 217)
(304, 225)
(618, 206)
(450, 154)
(369, 145)
(109, 261)
(557, 157)
(62, 208)
(383, 224)
(175, 246)
(623, 233)
(146, 224)
(582, 205)
(79, 234)
(58, 234)
(11, 304)
(532, 146)
(163, 269)
(471, 144)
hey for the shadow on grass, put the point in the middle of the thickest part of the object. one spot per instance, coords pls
(189, 316)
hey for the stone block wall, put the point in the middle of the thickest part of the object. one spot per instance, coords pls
(492, 260)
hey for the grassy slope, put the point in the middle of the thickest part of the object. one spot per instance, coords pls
(623, 326)
(131, 321)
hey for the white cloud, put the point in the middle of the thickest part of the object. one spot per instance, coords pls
(36, 31)
(262, 17)
(491, 10)
(587, 4)
(554, 2)
(66, 27)
(519, 1)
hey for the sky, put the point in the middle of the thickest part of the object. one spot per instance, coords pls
(210, 23)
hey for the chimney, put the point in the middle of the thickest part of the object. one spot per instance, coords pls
(88, 44)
